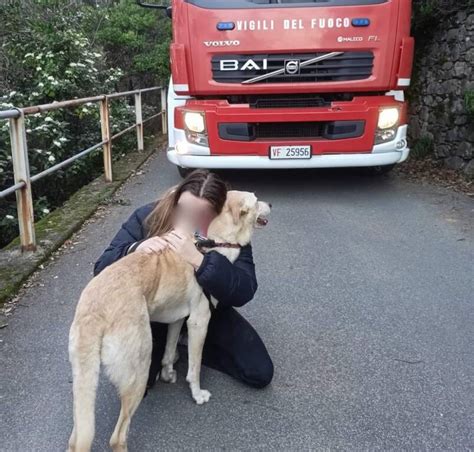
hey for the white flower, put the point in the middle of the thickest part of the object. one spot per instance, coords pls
(89, 61)
(76, 42)
(39, 151)
(45, 211)
(12, 93)
(72, 64)
(34, 93)
(48, 119)
(54, 83)
(50, 77)
(39, 68)
(29, 55)
(51, 158)
(63, 139)
(38, 57)
(97, 55)
(9, 217)
(28, 130)
(81, 65)
(57, 143)
(40, 84)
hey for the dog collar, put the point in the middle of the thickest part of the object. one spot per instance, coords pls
(204, 242)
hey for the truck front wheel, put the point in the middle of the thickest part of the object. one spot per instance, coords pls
(377, 170)
(183, 172)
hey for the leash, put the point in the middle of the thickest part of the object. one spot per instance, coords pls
(204, 242)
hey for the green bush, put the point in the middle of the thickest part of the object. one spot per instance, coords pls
(136, 39)
(55, 53)
(423, 147)
(469, 103)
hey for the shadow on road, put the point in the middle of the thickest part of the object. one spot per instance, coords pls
(314, 179)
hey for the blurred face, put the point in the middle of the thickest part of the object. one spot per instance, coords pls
(193, 214)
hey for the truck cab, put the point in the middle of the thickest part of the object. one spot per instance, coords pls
(289, 83)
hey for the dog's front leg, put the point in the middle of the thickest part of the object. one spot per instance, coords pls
(168, 374)
(197, 329)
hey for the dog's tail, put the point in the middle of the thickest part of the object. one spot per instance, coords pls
(85, 341)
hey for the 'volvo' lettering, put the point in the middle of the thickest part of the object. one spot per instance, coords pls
(221, 43)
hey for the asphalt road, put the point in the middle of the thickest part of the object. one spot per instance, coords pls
(365, 302)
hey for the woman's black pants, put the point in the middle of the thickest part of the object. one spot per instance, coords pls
(232, 346)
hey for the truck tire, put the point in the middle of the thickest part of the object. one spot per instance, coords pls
(377, 170)
(183, 172)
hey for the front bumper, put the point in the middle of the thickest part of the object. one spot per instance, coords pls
(192, 156)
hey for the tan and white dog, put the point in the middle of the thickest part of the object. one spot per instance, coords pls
(112, 321)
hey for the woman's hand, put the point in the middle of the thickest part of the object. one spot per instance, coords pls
(182, 244)
(153, 245)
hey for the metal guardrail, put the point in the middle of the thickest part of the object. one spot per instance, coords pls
(21, 171)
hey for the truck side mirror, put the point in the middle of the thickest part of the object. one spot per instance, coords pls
(154, 4)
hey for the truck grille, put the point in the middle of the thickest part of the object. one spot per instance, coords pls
(271, 130)
(330, 130)
(240, 68)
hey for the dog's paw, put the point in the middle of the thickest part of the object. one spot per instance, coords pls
(201, 396)
(168, 375)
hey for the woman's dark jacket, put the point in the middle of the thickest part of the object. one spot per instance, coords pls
(231, 284)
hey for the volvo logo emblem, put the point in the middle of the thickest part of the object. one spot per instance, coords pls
(292, 67)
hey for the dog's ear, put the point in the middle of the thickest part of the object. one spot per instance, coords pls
(236, 208)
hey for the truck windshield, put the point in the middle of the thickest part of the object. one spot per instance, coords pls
(246, 4)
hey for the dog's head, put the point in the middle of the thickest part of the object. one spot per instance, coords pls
(241, 214)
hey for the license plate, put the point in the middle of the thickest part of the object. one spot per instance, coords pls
(290, 152)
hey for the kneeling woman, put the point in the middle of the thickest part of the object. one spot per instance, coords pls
(232, 345)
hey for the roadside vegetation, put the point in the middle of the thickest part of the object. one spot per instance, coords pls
(59, 50)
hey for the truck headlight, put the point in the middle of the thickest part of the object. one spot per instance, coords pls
(195, 128)
(388, 118)
(387, 125)
(194, 121)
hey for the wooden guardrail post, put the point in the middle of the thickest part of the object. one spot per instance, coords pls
(21, 170)
(107, 146)
(164, 111)
(139, 120)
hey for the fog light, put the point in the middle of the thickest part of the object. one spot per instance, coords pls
(197, 138)
(388, 118)
(194, 121)
(382, 136)
(401, 144)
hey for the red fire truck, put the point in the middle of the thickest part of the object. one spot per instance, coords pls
(289, 83)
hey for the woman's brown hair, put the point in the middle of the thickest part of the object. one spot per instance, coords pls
(200, 183)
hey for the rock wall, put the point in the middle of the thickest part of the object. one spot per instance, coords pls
(442, 95)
